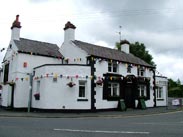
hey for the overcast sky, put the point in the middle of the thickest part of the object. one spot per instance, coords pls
(156, 23)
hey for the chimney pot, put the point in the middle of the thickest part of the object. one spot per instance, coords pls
(69, 25)
(15, 29)
(17, 18)
(16, 23)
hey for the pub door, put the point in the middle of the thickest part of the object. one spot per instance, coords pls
(129, 96)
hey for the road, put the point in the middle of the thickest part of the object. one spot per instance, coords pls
(162, 125)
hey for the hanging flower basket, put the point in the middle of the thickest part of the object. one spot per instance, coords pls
(71, 84)
(99, 82)
(37, 96)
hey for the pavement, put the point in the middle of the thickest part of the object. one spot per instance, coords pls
(128, 113)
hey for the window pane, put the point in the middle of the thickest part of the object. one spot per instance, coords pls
(114, 67)
(6, 73)
(129, 69)
(109, 67)
(160, 92)
(113, 89)
(82, 88)
(142, 73)
(138, 71)
(38, 86)
(142, 90)
(81, 91)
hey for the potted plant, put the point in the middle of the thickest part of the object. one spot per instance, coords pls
(37, 96)
(71, 84)
(99, 82)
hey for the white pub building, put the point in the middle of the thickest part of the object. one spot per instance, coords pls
(75, 76)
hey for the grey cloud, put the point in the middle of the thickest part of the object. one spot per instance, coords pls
(158, 17)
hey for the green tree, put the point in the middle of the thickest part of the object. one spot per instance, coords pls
(139, 50)
(175, 89)
(172, 83)
(178, 82)
(118, 46)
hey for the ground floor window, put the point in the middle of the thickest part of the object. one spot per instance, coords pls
(142, 90)
(37, 93)
(113, 89)
(82, 89)
(38, 86)
(6, 73)
(159, 93)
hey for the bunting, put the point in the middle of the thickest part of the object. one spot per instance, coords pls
(51, 75)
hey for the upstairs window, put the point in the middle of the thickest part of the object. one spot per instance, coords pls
(112, 67)
(113, 89)
(129, 68)
(141, 72)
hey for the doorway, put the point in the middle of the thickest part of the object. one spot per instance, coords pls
(129, 96)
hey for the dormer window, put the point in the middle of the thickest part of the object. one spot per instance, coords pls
(112, 67)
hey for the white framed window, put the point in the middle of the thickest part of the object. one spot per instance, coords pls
(129, 68)
(82, 89)
(112, 67)
(113, 89)
(142, 91)
(141, 72)
(159, 93)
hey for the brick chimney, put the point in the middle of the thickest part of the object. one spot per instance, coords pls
(15, 29)
(69, 32)
(125, 46)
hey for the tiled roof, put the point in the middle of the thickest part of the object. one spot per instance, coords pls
(37, 48)
(109, 53)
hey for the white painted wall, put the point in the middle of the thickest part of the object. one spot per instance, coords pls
(22, 88)
(125, 48)
(6, 96)
(149, 74)
(57, 95)
(162, 82)
(102, 68)
(69, 35)
(15, 33)
(16, 70)
(73, 53)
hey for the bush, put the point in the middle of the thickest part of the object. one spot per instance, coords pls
(176, 92)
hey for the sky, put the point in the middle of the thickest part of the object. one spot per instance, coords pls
(158, 24)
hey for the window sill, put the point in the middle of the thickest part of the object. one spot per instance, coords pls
(113, 73)
(82, 99)
(160, 99)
